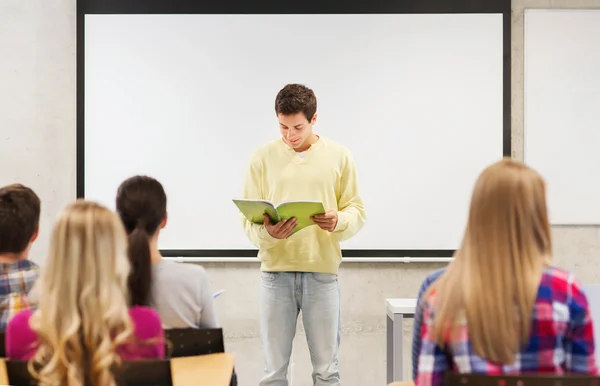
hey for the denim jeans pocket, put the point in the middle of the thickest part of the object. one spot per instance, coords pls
(324, 277)
(269, 276)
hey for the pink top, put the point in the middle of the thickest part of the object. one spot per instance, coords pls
(21, 340)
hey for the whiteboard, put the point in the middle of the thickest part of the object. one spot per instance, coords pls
(417, 98)
(562, 110)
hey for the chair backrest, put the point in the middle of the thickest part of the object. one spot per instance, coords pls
(200, 370)
(453, 379)
(18, 374)
(2, 346)
(132, 373)
(147, 372)
(192, 341)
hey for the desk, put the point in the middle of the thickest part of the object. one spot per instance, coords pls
(397, 310)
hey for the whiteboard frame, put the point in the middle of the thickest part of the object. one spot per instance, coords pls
(88, 7)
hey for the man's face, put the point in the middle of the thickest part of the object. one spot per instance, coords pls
(296, 129)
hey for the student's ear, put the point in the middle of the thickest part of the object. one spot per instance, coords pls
(164, 221)
(314, 119)
(35, 234)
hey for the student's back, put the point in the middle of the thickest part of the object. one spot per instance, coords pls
(180, 293)
(84, 326)
(182, 296)
(561, 338)
(500, 307)
(19, 220)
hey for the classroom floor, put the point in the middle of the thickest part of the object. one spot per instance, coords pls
(370, 346)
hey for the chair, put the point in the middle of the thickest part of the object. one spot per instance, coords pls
(204, 370)
(133, 373)
(2, 345)
(192, 341)
(454, 379)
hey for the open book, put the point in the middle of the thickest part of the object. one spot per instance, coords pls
(302, 211)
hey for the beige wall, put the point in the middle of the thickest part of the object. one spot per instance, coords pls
(37, 134)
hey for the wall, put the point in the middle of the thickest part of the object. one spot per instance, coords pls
(37, 135)
(37, 103)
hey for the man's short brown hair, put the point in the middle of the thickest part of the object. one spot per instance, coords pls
(296, 98)
(19, 217)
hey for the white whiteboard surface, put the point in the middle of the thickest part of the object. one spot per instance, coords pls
(186, 98)
(562, 110)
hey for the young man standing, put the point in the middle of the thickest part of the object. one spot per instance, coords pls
(300, 272)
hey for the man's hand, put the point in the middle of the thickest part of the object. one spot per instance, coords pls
(282, 229)
(326, 221)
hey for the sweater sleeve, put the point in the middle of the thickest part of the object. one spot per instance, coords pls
(351, 212)
(257, 233)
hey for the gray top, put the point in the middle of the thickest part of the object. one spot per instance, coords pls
(182, 296)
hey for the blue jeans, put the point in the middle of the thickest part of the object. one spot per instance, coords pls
(282, 296)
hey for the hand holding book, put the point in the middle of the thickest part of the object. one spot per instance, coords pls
(326, 221)
(281, 230)
(288, 217)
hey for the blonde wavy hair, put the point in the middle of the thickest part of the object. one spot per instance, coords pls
(494, 278)
(83, 310)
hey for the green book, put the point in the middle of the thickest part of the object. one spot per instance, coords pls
(302, 211)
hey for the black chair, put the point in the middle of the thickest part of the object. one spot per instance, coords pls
(2, 346)
(186, 342)
(132, 373)
(183, 342)
(454, 379)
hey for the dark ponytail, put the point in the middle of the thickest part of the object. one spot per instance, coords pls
(142, 206)
(140, 278)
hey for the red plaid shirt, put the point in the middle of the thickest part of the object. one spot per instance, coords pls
(562, 338)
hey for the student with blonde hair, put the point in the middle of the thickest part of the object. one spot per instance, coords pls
(83, 327)
(501, 308)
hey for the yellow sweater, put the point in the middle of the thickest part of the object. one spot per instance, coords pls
(325, 172)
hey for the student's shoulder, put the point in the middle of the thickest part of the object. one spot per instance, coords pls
(21, 317)
(266, 150)
(146, 321)
(186, 278)
(172, 267)
(334, 146)
(561, 285)
(433, 276)
(337, 151)
(141, 313)
(430, 279)
(25, 268)
(28, 264)
(19, 324)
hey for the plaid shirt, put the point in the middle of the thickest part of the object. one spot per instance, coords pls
(416, 340)
(562, 338)
(16, 280)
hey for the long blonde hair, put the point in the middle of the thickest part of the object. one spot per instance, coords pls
(494, 278)
(83, 312)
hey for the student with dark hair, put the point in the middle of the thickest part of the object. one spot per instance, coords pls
(180, 293)
(19, 224)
